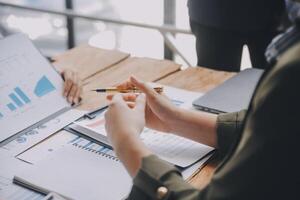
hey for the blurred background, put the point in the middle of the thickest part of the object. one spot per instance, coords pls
(54, 34)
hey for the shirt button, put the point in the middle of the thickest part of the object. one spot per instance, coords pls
(161, 192)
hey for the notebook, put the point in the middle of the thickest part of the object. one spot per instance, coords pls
(231, 96)
(176, 150)
(78, 173)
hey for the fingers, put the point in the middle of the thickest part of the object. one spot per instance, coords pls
(117, 100)
(68, 77)
(130, 99)
(126, 97)
(125, 85)
(143, 87)
(77, 95)
(72, 93)
(133, 83)
(109, 97)
(140, 102)
(72, 86)
(131, 105)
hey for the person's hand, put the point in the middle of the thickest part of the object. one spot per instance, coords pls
(122, 122)
(160, 113)
(123, 125)
(72, 86)
(164, 116)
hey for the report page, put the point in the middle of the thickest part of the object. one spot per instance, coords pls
(30, 88)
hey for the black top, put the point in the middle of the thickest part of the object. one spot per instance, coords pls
(236, 14)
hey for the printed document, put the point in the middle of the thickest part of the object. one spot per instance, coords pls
(30, 88)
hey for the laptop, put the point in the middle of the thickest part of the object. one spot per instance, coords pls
(231, 96)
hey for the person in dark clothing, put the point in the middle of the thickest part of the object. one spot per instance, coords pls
(222, 28)
(259, 146)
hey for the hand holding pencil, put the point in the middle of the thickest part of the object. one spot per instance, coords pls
(126, 87)
(127, 90)
(159, 109)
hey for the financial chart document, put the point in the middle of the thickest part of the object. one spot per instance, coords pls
(30, 88)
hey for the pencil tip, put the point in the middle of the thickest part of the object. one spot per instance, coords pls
(99, 90)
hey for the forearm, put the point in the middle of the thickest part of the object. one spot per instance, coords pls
(198, 126)
(131, 153)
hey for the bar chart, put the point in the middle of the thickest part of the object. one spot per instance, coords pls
(43, 87)
(30, 89)
(11, 107)
(19, 98)
(22, 95)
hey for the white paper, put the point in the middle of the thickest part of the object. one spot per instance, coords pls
(92, 126)
(190, 171)
(14, 192)
(10, 166)
(34, 136)
(181, 97)
(9, 191)
(46, 148)
(174, 149)
(80, 174)
(30, 88)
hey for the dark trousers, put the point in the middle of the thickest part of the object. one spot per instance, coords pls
(222, 49)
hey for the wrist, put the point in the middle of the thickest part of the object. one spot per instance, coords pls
(127, 144)
(176, 120)
(131, 152)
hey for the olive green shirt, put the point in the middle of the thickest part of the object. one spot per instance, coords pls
(259, 147)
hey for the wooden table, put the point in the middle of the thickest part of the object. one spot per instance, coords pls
(105, 68)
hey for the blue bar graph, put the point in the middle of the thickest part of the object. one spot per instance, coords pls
(22, 95)
(101, 149)
(88, 144)
(78, 141)
(105, 150)
(43, 87)
(11, 107)
(16, 100)
(74, 140)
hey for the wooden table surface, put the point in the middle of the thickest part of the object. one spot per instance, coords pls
(106, 68)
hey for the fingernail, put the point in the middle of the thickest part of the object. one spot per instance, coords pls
(133, 78)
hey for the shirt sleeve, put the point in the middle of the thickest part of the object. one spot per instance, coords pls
(156, 173)
(229, 127)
